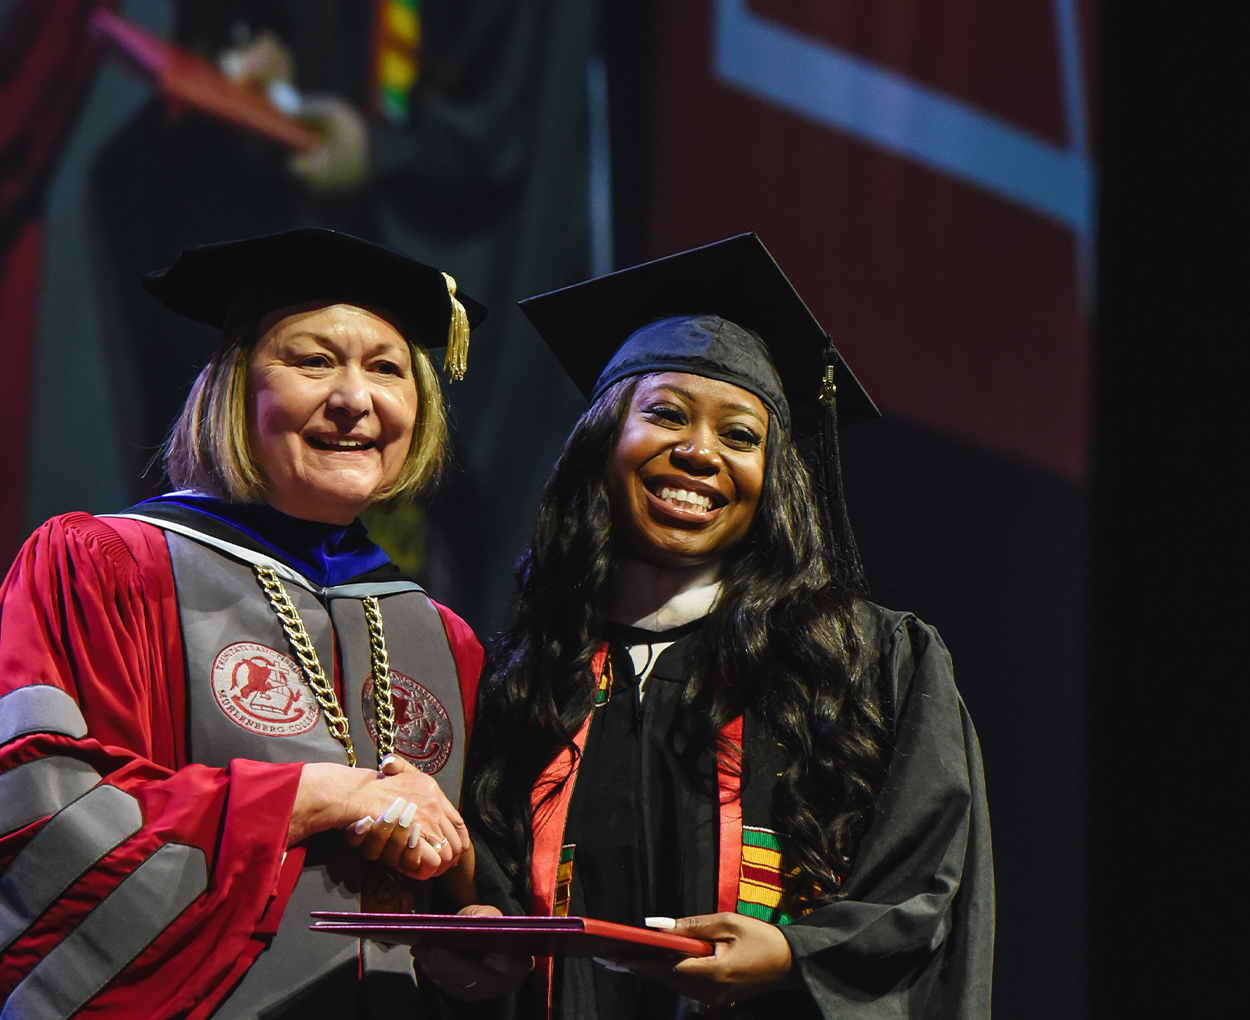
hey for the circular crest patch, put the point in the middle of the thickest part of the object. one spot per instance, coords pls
(262, 691)
(422, 728)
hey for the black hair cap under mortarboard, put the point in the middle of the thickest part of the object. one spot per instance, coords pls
(229, 283)
(710, 300)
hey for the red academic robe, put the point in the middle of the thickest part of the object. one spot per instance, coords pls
(89, 607)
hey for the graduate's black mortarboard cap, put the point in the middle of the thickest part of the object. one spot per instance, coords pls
(696, 312)
(232, 282)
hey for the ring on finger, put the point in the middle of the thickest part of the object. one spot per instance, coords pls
(436, 846)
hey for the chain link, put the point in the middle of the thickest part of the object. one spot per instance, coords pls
(302, 646)
(384, 706)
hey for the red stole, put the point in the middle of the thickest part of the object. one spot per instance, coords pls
(550, 816)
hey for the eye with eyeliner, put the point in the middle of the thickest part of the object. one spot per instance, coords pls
(664, 414)
(742, 437)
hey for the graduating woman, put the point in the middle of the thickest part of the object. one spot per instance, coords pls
(208, 700)
(697, 720)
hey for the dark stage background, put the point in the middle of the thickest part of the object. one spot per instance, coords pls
(923, 171)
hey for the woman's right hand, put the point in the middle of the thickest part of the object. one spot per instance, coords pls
(420, 838)
(377, 802)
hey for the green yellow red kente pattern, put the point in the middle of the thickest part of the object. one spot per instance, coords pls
(396, 42)
(564, 881)
(760, 880)
(603, 686)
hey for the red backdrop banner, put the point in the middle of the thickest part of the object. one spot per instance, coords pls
(920, 169)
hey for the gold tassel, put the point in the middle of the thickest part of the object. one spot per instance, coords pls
(828, 391)
(457, 359)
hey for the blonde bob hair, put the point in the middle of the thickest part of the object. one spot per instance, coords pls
(208, 448)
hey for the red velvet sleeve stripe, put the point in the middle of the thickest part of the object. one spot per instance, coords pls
(469, 655)
(150, 551)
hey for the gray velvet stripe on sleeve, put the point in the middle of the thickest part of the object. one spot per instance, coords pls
(40, 788)
(125, 923)
(39, 708)
(58, 854)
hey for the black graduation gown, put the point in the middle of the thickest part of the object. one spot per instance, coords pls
(911, 935)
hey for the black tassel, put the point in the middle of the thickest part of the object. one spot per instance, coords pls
(840, 541)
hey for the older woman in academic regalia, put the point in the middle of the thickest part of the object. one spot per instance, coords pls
(225, 707)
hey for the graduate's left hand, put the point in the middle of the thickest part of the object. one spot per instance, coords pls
(752, 957)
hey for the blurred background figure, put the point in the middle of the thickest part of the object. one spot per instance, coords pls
(925, 170)
(457, 131)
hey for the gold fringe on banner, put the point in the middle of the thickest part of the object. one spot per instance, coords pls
(457, 359)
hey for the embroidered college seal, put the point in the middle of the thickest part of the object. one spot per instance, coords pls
(262, 691)
(422, 728)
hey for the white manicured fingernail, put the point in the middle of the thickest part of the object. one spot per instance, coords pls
(667, 923)
(410, 812)
(414, 835)
(611, 965)
(386, 761)
(362, 826)
(394, 810)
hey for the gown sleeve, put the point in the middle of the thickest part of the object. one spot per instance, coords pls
(131, 881)
(912, 935)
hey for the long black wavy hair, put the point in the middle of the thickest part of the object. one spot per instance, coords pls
(781, 640)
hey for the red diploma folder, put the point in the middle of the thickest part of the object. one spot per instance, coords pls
(514, 936)
(189, 81)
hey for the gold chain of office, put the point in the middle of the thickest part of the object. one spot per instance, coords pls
(301, 644)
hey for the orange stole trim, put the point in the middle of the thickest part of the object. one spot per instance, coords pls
(729, 786)
(548, 829)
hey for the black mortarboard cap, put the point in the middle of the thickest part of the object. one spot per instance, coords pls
(692, 312)
(706, 311)
(228, 283)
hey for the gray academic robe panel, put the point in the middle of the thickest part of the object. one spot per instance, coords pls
(247, 698)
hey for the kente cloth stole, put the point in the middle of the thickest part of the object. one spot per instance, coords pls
(762, 876)
(751, 868)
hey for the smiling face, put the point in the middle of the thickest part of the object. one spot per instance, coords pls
(687, 472)
(333, 407)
